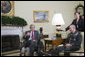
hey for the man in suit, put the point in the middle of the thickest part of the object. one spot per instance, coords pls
(32, 40)
(73, 42)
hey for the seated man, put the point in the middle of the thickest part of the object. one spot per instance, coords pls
(73, 42)
(32, 40)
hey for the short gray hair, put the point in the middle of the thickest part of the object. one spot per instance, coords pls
(73, 26)
(32, 25)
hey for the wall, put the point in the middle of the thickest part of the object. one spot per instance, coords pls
(25, 10)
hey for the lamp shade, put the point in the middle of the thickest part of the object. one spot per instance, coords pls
(58, 19)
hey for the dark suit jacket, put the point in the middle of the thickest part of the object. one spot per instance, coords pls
(36, 35)
(29, 42)
(80, 25)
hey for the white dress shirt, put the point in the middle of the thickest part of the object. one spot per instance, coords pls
(31, 35)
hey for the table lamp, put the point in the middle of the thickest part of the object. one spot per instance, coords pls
(58, 21)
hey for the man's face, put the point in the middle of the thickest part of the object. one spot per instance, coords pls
(32, 28)
(71, 29)
(77, 15)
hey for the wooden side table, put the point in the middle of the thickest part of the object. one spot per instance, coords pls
(43, 36)
(54, 43)
(48, 42)
(57, 42)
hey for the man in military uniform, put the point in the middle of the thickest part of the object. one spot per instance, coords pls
(73, 42)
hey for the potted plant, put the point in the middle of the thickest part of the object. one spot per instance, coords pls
(14, 21)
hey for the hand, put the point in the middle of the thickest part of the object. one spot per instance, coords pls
(68, 45)
(28, 34)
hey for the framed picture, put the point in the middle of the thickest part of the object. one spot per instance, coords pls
(7, 8)
(40, 16)
(80, 9)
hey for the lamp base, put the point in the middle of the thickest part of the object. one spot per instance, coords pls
(58, 35)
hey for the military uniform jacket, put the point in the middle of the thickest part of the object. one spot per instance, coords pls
(74, 39)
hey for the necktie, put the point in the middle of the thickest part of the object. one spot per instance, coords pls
(32, 35)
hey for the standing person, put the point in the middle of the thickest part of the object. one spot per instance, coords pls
(78, 22)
